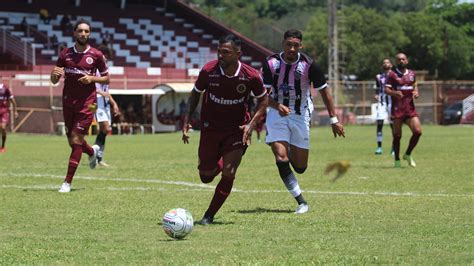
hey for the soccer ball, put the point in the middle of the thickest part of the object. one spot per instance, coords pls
(178, 223)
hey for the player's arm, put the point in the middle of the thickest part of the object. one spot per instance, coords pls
(193, 102)
(394, 93)
(86, 79)
(337, 127)
(114, 105)
(56, 74)
(262, 103)
(13, 103)
(416, 93)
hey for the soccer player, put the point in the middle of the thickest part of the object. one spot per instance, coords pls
(384, 102)
(79, 64)
(102, 115)
(289, 76)
(401, 85)
(226, 85)
(6, 98)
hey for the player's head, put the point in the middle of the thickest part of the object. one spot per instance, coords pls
(292, 43)
(82, 32)
(386, 64)
(228, 51)
(401, 60)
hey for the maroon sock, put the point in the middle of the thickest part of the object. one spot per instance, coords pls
(74, 160)
(221, 193)
(87, 149)
(413, 141)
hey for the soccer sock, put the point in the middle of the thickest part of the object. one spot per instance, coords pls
(100, 141)
(87, 149)
(74, 160)
(413, 141)
(290, 180)
(396, 146)
(221, 193)
(4, 138)
(379, 133)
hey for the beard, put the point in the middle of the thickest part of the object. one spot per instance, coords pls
(400, 66)
(82, 42)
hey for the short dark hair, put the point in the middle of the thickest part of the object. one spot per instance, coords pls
(292, 33)
(82, 21)
(234, 40)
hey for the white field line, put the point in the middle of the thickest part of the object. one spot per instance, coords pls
(204, 187)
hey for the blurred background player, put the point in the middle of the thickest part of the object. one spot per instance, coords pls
(6, 98)
(226, 85)
(401, 85)
(79, 64)
(102, 115)
(384, 102)
(289, 75)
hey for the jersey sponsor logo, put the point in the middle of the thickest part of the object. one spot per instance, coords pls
(214, 84)
(214, 75)
(73, 70)
(241, 88)
(226, 101)
(89, 60)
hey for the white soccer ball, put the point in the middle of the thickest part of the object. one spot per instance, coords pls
(178, 223)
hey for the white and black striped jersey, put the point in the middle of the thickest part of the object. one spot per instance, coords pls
(290, 84)
(380, 81)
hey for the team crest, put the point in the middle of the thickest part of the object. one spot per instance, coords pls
(89, 60)
(241, 88)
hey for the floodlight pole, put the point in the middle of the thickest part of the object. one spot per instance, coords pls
(333, 52)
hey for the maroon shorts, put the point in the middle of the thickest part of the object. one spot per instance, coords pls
(77, 117)
(404, 109)
(214, 144)
(5, 117)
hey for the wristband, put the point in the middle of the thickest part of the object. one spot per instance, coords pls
(333, 120)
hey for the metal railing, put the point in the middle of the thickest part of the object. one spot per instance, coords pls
(14, 45)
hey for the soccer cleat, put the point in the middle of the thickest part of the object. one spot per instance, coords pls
(397, 164)
(302, 208)
(410, 160)
(378, 151)
(103, 164)
(206, 221)
(93, 158)
(65, 188)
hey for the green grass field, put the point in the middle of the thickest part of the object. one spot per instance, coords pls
(373, 215)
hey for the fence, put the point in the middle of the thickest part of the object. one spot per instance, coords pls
(14, 45)
(40, 105)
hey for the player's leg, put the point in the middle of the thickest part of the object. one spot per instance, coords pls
(210, 159)
(3, 129)
(415, 126)
(100, 141)
(379, 136)
(397, 135)
(231, 162)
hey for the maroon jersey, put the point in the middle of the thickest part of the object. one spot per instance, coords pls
(77, 64)
(404, 82)
(224, 104)
(5, 96)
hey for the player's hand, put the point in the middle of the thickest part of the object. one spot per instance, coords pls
(116, 111)
(376, 97)
(186, 128)
(398, 94)
(86, 79)
(415, 94)
(338, 130)
(58, 71)
(247, 133)
(283, 110)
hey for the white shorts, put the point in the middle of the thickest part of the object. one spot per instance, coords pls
(103, 115)
(382, 111)
(293, 128)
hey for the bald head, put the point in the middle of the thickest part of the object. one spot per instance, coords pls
(401, 60)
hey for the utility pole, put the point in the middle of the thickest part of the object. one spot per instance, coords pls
(333, 51)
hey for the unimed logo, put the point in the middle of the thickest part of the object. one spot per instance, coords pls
(226, 101)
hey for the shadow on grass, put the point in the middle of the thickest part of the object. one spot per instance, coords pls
(263, 210)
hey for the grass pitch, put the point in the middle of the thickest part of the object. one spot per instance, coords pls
(374, 214)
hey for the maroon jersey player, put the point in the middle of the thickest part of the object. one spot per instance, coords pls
(6, 98)
(79, 64)
(401, 86)
(226, 85)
